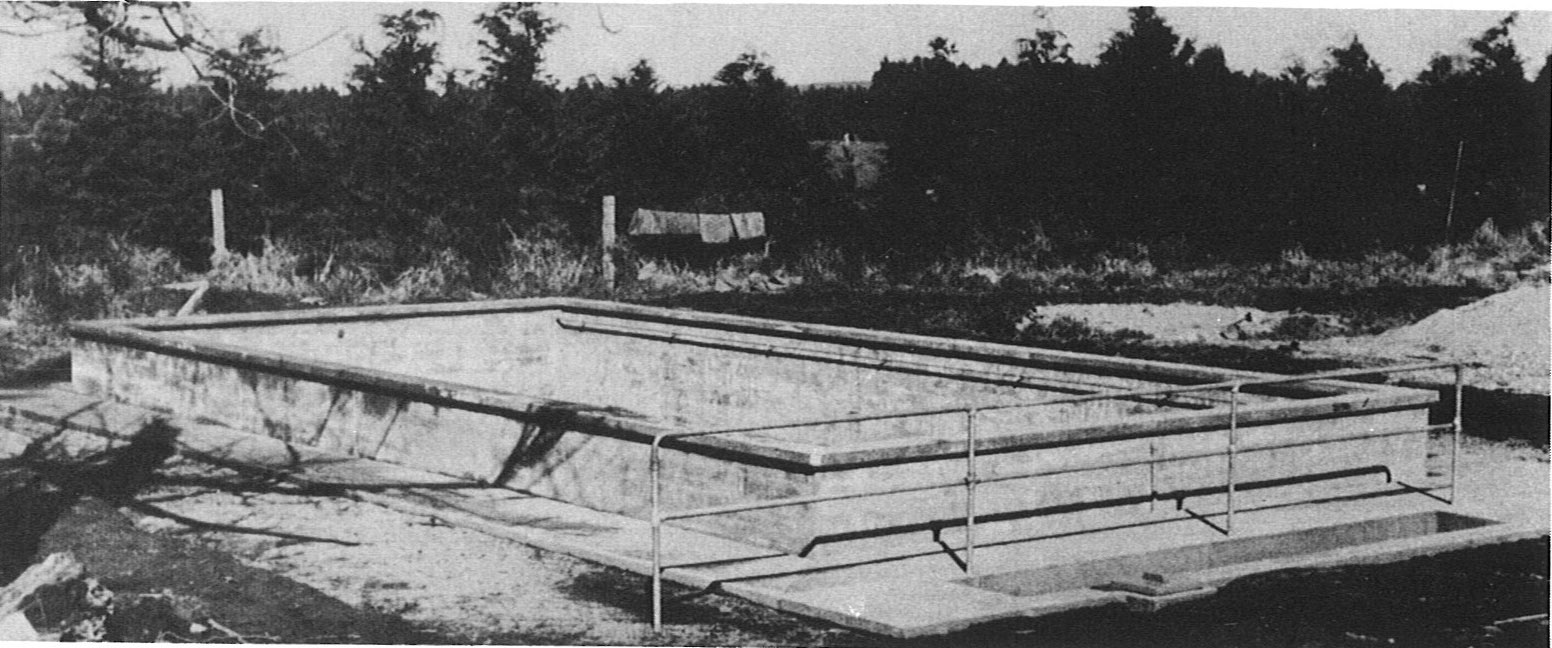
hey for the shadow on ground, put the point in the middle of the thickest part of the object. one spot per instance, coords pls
(1421, 602)
(53, 501)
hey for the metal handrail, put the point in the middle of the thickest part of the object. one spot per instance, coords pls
(1062, 400)
(758, 505)
(971, 479)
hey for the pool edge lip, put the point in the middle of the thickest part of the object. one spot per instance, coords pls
(763, 326)
(160, 335)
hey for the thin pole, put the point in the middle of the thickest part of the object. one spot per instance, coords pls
(970, 482)
(654, 468)
(1228, 520)
(1449, 217)
(1455, 427)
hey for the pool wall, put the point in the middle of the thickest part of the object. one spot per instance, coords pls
(560, 398)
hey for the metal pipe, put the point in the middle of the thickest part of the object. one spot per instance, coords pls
(1455, 428)
(1228, 519)
(808, 499)
(970, 482)
(812, 499)
(654, 470)
(1081, 398)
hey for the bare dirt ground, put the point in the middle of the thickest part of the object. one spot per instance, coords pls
(385, 576)
(1508, 333)
(452, 581)
(1177, 323)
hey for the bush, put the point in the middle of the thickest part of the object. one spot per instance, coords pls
(82, 274)
(444, 277)
(1070, 333)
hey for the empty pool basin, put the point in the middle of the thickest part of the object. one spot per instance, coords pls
(563, 398)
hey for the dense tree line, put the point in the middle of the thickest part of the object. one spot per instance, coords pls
(1160, 142)
(1157, 143)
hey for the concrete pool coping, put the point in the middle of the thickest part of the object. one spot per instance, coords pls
(898, 594)
(1314, 400)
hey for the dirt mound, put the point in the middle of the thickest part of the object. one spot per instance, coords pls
(1510, 333)
(1192, 323)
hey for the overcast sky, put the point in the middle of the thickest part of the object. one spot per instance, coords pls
(808, 43)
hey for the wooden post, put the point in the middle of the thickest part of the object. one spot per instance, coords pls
(217, 226)
(607, 241)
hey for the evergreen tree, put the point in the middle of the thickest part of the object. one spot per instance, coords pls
(120, 161)
(1356, 150)
(1144, 72)
(390, 116)
(520, 110)
(1479, 106)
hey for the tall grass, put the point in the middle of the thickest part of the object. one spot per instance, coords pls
(1489, 261)
(82, 274)
(534, 267)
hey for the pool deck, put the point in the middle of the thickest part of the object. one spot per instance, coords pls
(904, 585)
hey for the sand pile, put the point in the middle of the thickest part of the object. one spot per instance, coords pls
(1510, 332)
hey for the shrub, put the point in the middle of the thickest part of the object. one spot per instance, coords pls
(81, 274)
(444, 277)
(1071, 333)
(275, 270)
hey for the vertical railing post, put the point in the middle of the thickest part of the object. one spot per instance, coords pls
(1228, 518)
(654, 470)
(970, 483)
(1455, 427)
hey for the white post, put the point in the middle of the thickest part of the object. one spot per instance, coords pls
(218, 226)
(607, 241)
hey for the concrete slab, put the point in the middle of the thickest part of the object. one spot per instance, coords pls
(916, 607)
(907, 585)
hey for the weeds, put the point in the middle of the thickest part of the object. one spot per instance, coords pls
(535, 267)
(82, 274)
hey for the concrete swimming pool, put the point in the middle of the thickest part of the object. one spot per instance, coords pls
(563, 398)
(900, 484)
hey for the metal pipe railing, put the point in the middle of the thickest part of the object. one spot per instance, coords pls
(970, 483)
(1233, 450)
(1061, 400)
(1455, 425)
(724, 509)
(972, 478)
(655, 469)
